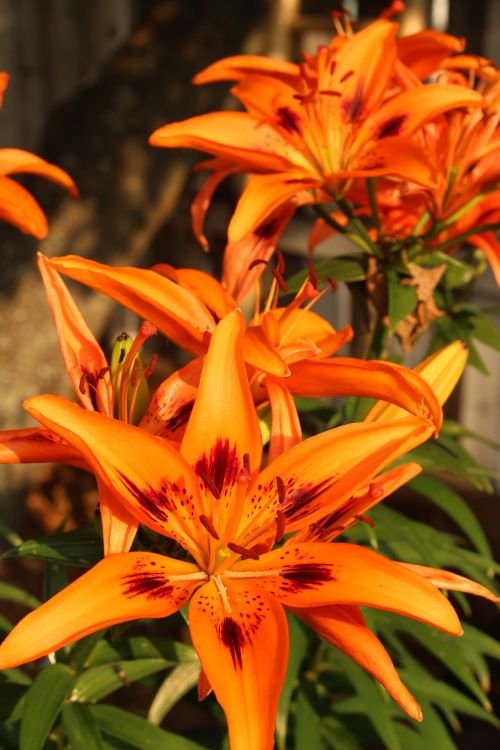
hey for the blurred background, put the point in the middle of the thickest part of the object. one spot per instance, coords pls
(89, 82)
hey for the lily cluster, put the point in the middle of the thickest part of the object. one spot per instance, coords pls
(255, 522)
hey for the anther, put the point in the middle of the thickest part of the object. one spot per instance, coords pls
(332, 283)
(346, 76)
(330, 92)
(207, 523)
(247, 554)
(102, 372)
(280, 261)
(149, 369)
(210, 483)
(246, 462)
(81, 385)
(281, 281)
(280, 526)
(365, 519)
(280, 486)
(313, 276)
(257, 262)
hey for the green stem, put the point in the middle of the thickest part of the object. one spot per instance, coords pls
(372, 197)
(469, 233)
(372, 247)
(328, 218)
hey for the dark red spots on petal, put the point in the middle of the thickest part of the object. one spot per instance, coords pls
(392, 126)
(306, 575)
(232, 637)
(266, 229)
(154, 501)
(299, 500)
(148, 584)
(288, 120)
(180, 417)
(220, 468)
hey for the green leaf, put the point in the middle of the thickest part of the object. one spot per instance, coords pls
(44, 701)
(443, 695)
(430, 733)
(307, 722)
(402, 298)
(11, 593)
(10, 536)
(298, 647)
(79, 547)
(138, 732)
(140, 647)
(454, 506)
(97, 682)
(376, 702)
(174, 687)
(343, 268)
(81, 727)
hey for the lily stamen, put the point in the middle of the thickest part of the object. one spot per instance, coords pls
(247, 554)
(207, 523)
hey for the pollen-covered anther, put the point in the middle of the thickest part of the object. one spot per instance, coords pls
(102, 372)
(207, 523)
(247, 554)
(365, 519)
(375, 491)
(280, 486)
(280, 526)
(210, 483)
(245, 474)
(346, 76)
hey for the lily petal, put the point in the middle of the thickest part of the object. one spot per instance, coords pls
(13, 160)
(118, 589)
(399, 157)
(153, 480)
(344, 627)
(205, 287)
(440, 370)
(170, 408)
(264, 194)
(232, 135)
(223, 426)
(37, 445)
(444, 579)
(82, 355)
(18, 207)
(425, 50)
(348, 376)
(175, 311)
(239, 66)
(309, 575)
(317, 476)
(241, 637)
(285, 424)
(119, 527)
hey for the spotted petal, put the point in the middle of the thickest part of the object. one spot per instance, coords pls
(118, 589)
(153, 481)
(242, 642)
(319, 574)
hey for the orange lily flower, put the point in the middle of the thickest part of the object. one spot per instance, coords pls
(303, 140)
(17, 206)
(287, 349)
(211, 497)
(89, 372)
